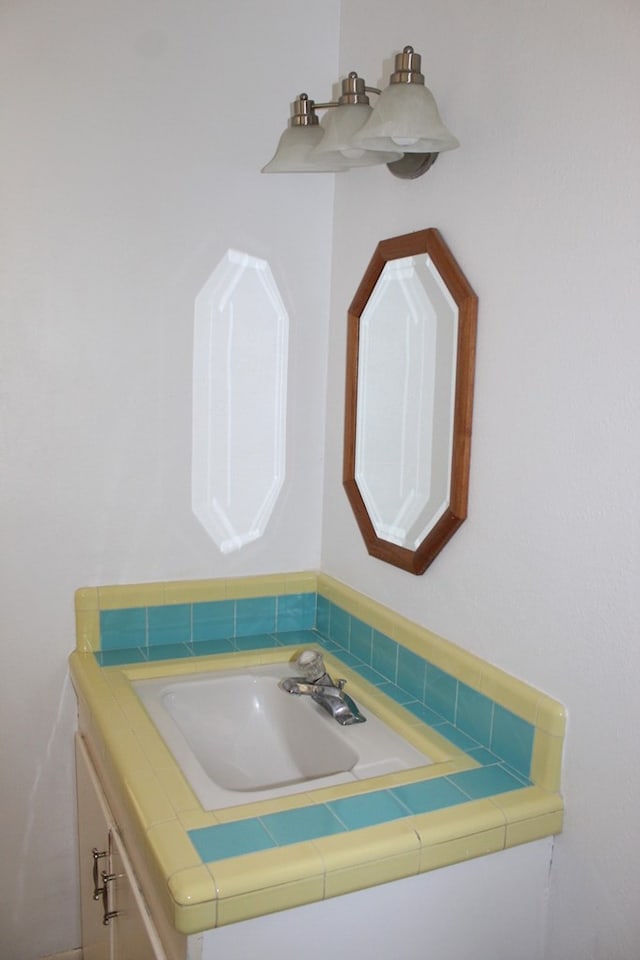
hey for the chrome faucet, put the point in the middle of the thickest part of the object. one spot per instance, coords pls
(317, 684)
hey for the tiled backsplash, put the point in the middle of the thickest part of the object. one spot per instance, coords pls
(465, 716)
(193, 624)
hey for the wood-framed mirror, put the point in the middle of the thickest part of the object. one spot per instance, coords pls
(411, 344)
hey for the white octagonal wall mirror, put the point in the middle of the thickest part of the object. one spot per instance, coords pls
(410, 366)
(239, 400)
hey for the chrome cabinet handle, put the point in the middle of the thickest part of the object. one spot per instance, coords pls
(107, 915)
(97, 889)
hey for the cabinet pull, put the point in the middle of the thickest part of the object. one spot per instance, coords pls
(98, 891)
(107, 915)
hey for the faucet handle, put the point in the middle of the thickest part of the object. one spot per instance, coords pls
(311, 665)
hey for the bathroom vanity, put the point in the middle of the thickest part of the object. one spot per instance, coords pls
(439, 849)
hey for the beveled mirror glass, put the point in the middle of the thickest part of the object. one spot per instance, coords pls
(410, 367)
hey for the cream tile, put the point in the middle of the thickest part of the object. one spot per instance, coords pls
(261, 586)
(434, 770)
(117, 683)
(182, 667)
(334, 591)
(196, 917)
(153, 746)
(524, 831)
(256, 872)
(196, 818)
(305, 582)
(194, 591)
(510, 693)
(352, 789)
(125, 752)
(461, 664)
(551, 716)
(546, 764)
(441, 750)
(147, 798)
(386, 621)
(424, 643)
(453, 823)
(88, 631)
(262, 807)
(346, 851)
(269, 900)
(86, 598)
(465, 848)
(121, 597)
(528, 804)
(176, 788)
(88, 680)
(170, 849)
(284, 654)
(194, 885)
(365, 875)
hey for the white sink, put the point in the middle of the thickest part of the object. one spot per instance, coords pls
(238, 737)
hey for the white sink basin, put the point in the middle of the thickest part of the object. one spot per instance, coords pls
(238, 737)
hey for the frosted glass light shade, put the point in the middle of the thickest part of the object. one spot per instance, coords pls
(406, 119)
(294, 153)
(341, 124)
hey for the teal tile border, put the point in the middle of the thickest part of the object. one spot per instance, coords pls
(255, 616)
(301, 824)
(426, 796)
(211, 620)
(485, 781)
(368, 809)
(169, 624)
(474, 713)
(121, 629)
(230, 839)
(361, 640)
(412, 673)
(463, 715)
(512, 739)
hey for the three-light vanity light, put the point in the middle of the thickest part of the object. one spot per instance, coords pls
(403, 130)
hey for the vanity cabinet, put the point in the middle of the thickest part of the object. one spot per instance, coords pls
(115, 920)
(474, 908)
(449, 859)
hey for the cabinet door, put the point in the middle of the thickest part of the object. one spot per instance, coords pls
(93, 838)
(107, 881)
(134, 935)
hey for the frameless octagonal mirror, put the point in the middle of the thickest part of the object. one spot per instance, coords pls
(410, 368)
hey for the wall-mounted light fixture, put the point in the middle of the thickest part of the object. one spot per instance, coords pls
(403, 130)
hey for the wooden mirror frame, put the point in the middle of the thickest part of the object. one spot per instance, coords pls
(427, 242)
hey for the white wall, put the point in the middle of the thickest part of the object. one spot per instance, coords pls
(117, 199)
(132, 135)
(541, 205)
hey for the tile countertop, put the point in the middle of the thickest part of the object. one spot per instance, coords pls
(495, 742)
(211, 868)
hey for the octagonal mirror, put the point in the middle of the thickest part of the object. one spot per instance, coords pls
(409, 399)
